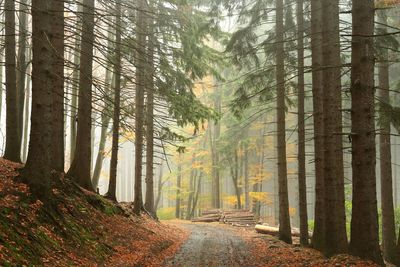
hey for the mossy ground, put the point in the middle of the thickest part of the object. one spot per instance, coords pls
(78, 228)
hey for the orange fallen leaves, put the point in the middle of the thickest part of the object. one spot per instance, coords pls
(134, 241)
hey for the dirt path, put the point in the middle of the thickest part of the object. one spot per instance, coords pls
(210, 245)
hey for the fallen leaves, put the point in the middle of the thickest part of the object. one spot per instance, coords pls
(77, 232)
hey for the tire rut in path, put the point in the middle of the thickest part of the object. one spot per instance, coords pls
(212, 246)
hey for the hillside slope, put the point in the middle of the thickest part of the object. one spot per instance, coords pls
(80, 228)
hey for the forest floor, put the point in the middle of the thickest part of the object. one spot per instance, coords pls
(80, 229)
(215, 244)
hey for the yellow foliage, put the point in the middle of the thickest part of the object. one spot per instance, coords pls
(262, 197)
(292, 211)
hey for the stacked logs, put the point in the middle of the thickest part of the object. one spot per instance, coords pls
(240, 218)
(209, 216)
(232, 217)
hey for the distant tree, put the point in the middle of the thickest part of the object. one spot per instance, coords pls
(109, 84)
(178, 190)
(214, 136)
(75, 80)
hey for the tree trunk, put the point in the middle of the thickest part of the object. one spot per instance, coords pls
(159, 187)
(75, 83)
(178, 189)
(364, 224)
(139, 103)
(149, 203)
(196, 196)
(318, 240)
(234, 167)
(13, 144)
(192, 180)
(388, 220)
(246, 176)
(27, 109)
(216, 194)
(57, 40)
(106, 112)
(21, 65)
(112, 188)
(80, 167)
(335, 224)
(284, 218)
(37, 171)
(301, 128)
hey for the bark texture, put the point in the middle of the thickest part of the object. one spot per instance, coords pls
(301, 128)
(364, 224)
(139, 103)
(335, 222)
(13, 140)
(112, 187)
(57, 40)
(149, 203)
(318, 240)
(284, 218)
(37, 171)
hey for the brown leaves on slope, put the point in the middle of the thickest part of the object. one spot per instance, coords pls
(82, 229)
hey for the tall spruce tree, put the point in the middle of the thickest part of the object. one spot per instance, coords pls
(364, 240)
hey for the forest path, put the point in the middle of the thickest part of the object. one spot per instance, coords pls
(210, 245)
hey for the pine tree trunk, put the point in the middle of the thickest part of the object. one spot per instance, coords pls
(234, 169)
(159, 187)
(284, 218)
(80, 167)
(388, 220)
(215, 155)
(57, 40)
(21, 65)
(112, 188)
(335, 224)
(301, 128)
(13, 144)
(37, 171)
(149, 203)
(139, 104)
(246, 176)
(178, 190)
(364, 223)
(318, 240)
(192, 180)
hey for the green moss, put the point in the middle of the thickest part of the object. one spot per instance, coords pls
(103, 205)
